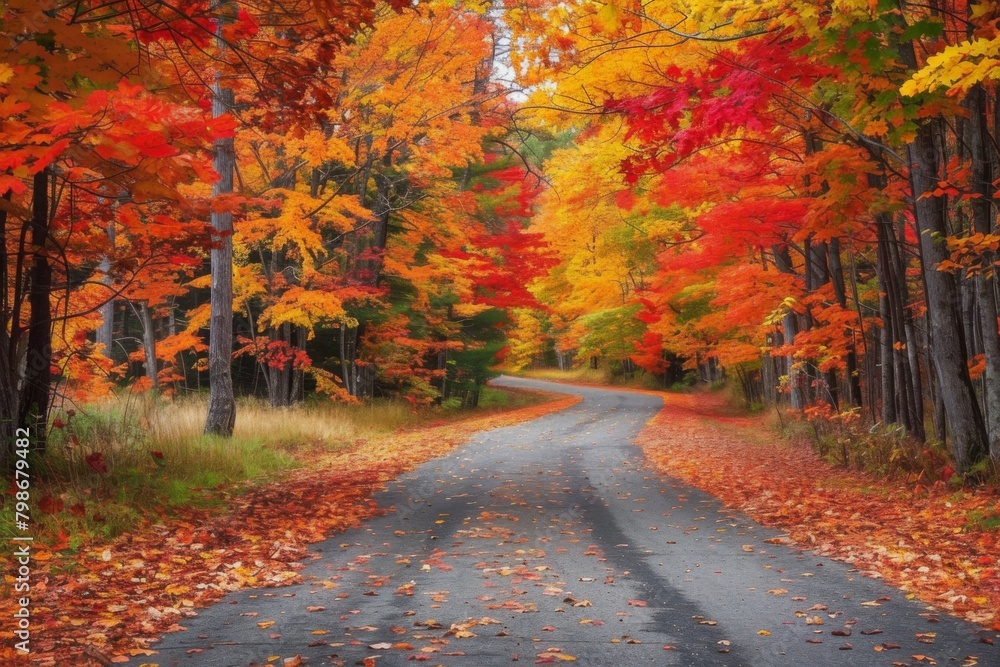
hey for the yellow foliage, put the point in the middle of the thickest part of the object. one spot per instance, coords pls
(957, 68)
(303, 307)
(526, 339)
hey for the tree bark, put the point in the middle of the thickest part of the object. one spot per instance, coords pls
(908, 382)
(887, 374)
(221, 400)
(297, 391)
(947, 341)
(8, 382)
(33, 410)
(105, 335)
(348, 356)
(984, 172)
(790, 327)
(852, 376)
(149, 344)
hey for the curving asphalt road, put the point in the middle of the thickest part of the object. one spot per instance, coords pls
(551, 540)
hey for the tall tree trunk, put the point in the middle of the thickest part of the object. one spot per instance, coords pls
(8, 382)
(105, 335)
(33, 411)
(852, 376)
(790, 327)
(887, 374)
(901, 386)
(297, 391)
(221, 401)
(149, 344)
(947, 343)
(348, 352)
(818, 274)
(984, 172)
(907, 369)
(916, 384)
(280, 384)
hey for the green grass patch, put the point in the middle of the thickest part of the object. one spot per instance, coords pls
(500, 399)
(980, 521)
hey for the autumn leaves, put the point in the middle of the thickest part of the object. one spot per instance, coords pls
(377, 205)
(798, 191)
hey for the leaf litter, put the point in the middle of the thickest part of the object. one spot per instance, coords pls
(918, 541)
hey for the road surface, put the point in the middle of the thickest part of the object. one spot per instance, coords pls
(550, 541)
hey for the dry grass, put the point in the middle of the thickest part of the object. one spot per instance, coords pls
(183, 421)
(113, 464)
(127, 430)
(138, 456)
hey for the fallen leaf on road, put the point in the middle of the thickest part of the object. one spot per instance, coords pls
(549, 657)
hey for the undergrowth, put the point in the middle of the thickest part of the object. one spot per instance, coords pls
(882, 450)
(846, 439)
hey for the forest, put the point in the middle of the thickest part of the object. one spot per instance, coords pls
(343, 201)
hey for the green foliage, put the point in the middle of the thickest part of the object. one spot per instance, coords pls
(471, 367)
(610, 333)
(689, 380)
(883, 450)
(982, 521)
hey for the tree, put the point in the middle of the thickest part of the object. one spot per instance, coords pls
(808, 140)
(80, 146)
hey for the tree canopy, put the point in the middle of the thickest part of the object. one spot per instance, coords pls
(800, 196)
